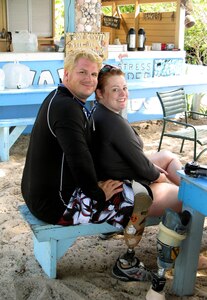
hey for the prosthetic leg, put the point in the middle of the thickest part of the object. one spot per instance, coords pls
(172, 230)
(128, 267)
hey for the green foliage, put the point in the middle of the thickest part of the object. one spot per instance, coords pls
(107, 10)
(127, 8)
(196, 36)
(158, 7)
(59, 18)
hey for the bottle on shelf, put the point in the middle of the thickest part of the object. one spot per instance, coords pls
(131, 40)
(141, 39)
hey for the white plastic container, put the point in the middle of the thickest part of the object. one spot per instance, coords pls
(2, 80)
(156, 46)
(17, 76)
(23, 41)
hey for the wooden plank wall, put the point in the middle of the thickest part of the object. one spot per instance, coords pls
(3, 44)
(2, 14)
(157, 31)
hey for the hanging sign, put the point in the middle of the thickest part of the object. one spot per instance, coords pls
(113, 22)
(97, 41)
(153, 16)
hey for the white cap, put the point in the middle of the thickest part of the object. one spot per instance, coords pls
(153, 295)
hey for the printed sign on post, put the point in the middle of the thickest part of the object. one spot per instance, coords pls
(97, 41)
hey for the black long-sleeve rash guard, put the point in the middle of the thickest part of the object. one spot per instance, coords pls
(59, 158)
(119, 150)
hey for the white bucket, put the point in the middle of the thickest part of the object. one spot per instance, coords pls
(23, 41)
(2, 80)
(17, 76)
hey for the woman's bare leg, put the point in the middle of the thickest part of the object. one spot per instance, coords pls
(165, 195)
(169, 162)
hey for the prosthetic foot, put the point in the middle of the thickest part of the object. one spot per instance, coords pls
(172, 230)
(128, 267)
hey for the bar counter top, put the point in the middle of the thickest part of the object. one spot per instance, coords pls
(113, 53)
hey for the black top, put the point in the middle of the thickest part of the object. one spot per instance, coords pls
(119, 150)
(59, 158)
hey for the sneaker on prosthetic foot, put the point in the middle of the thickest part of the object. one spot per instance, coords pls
(134, 271)
(128, 267)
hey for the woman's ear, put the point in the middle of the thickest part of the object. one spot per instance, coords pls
(99, 94)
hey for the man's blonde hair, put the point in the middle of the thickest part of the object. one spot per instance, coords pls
(74, 55)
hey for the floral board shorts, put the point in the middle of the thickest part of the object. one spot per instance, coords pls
(116, 211)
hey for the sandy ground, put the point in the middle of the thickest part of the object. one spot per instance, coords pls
(84, 272)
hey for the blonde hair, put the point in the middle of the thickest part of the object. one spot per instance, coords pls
(73, 56)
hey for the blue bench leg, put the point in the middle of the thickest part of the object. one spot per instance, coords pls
(15, 134)
(8, 139)
(4, 143)
(47, 253)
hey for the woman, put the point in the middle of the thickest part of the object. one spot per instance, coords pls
(118, 154)
(119, 149)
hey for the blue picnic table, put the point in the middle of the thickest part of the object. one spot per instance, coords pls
(193, 194)
(143, 103)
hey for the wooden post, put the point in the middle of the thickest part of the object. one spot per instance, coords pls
(180, 27)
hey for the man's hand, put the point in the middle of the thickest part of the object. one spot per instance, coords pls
(111, 187)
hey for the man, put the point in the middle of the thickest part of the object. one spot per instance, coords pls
(58, 158)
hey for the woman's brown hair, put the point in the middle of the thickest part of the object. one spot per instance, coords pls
(106, 72)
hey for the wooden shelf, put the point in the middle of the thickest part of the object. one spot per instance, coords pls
(45, 39)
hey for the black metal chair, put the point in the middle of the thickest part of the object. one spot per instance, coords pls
(173, 103)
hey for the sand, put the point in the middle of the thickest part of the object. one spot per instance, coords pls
(84, 272)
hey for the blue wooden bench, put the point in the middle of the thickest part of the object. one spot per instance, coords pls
(52, 241)
(8, 137)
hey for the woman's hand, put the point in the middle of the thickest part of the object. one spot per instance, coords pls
(111, 187)
(161, 170)
(161, 178)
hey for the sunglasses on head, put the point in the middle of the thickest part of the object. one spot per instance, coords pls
(105, 69)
